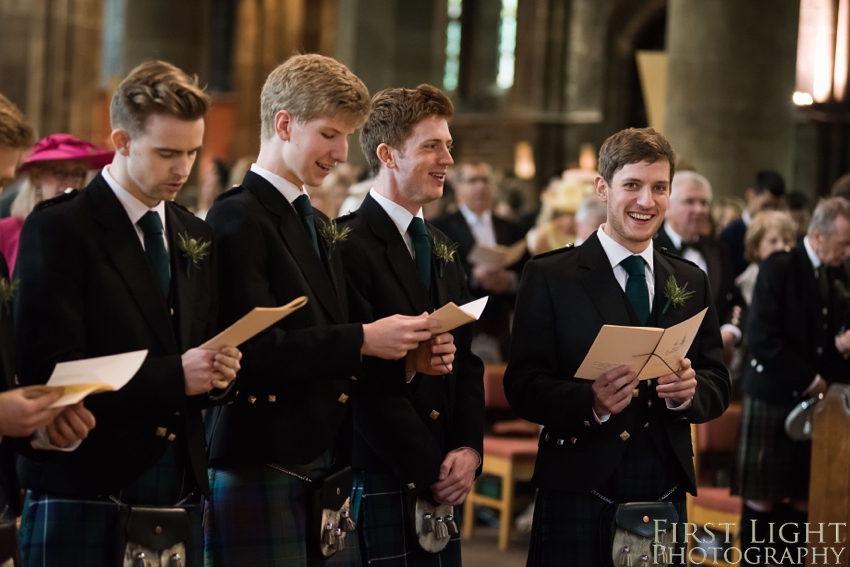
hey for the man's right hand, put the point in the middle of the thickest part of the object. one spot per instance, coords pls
(391, 337)
(23, 410)
(70, 426)
(612, 391)
(205, 369)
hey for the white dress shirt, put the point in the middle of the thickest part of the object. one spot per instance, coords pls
(400, 216)
(135, 208)
(287, 189)
(481, 226)
(690, 254)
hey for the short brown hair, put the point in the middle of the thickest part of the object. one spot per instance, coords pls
(312, 86)
(634, 145)
(15, 133)
(762, 222)
(156, 87)
(394, 114)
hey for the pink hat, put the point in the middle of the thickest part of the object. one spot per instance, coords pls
(67, 147)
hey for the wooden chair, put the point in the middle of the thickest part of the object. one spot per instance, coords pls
(511, 459)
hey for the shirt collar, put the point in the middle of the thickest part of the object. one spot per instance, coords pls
(616, 252)
(400, 216)
(287, 189)
(472, 218)
(674, 236)
(135, 208)
(813, 258)
(745, 216)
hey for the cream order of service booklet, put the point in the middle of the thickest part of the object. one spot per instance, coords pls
(451, 316)
(650, 352)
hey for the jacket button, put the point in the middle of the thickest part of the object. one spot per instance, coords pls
(820, 351)
(161, 432)
(172, 311)
(753, 362)
(649, 403)
(272, 398)
(343, 398)
(353, 377)
(624, 435)
(251, 399)
(573, 440)
(172, 437)
(434, 414)
(587, 424)
(411, 486)
(825, 311)
(759, 368)
(646, 425)
(560, 441)
(546, 438)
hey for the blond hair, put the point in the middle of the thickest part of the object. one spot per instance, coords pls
(309, 87)
(15, 133)
(156, 87)
(762, 222)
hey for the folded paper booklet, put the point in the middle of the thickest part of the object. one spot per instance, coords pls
(451, 316)
(497, 256)
(257, 320)
(650, 352)
(79, 378)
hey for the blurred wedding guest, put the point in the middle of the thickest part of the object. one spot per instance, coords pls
(798, 207)
(770, 231)
(556, 227)
(796, 350)
(590, 214)
(329, 196)
(356, 194)
(239, 169)
(474, 224)
(214, 182)
(725, 210)
(57, 163)
(765, 193)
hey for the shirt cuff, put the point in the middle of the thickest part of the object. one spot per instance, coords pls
(600, 419)
(42, 441)
(408, 376)
(477, 454)
(812, 385)
(671, 405)
(730, 328)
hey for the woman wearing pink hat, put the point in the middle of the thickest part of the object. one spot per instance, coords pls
(56, 163)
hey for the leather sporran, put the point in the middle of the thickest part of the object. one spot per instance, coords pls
(333, 508)
(628, 534)
(153, 537)
(434, 523)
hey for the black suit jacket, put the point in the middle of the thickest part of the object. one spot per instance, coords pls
(791, 328)
(733, 237)
(8, 475)
(407, 429)
(291, 400)
(496, 317)
(86, 289)
(564, 299)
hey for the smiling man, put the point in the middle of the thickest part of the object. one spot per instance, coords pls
(615, 439)
(102, 271)
(416, 436)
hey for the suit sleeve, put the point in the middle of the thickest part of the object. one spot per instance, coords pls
(245, 284)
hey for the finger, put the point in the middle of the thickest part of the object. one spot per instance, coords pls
(64, 430)
(615, 373)
(54, 436)
(446, 467)
(231, 352)
(226, 372)
(77, 428)
(447, 348)
(229, 361)
(87, 416)
(220, 384)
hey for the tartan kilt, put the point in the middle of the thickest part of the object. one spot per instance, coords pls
(566, 529)
(768, 465)
(259, 516)
(387, 537)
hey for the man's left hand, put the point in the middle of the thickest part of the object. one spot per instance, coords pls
(433, 357)
(681, 388)
(457, 473)
(70, 426)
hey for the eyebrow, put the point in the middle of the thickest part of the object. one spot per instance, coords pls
(175, 150)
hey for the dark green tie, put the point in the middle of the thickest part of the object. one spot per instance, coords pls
(155, 251)
(305, 209)
(823, 282)
(636, 289)
(422, 249)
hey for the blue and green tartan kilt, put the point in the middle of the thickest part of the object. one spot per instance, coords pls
(387, 538)
(768, 465)
(258, 516)
(566, 531)
(62, 531)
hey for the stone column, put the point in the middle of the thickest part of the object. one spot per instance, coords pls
(730, 80)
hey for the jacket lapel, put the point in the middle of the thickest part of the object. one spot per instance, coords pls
(297, 241)
(600, 283)
(438, 282)
(663, 269)
(713, 263)
(122, 244)
(397, 253)
(182, 282)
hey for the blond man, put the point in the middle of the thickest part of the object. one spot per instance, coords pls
(285, 431)
(102, 271)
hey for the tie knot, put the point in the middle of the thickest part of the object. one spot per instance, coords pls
(303, 206)
(151, 224)
(634, 266)
(417, 227)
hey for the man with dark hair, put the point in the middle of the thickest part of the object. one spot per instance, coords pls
(476, 223)
(418, 439)
(765, 193)
(108, 270)
(613, 440)
(800, 211)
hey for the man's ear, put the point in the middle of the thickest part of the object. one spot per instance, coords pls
(121, 141)
(387, 156)
(283, 125)
(601, 189)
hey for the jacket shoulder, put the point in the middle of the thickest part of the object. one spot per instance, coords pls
(669, 254)
(557, 251)
(58, 200)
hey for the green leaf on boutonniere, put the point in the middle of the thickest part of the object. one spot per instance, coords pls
(332, 235)
(194, 250)
(7, 293)
(444, 252)
(675, 295)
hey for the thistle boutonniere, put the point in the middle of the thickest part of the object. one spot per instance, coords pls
(333, 235)
(194, 250)
(444, 252)
(7, 293)
(675, 295)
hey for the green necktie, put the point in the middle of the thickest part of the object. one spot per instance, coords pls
(305, 209)
(151, 225)
(636, 289)
(422, 249)
(823, 282)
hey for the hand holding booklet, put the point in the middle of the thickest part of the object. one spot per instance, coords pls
(451, 316)
(498, 256)
(650, 352)
(79, 378)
